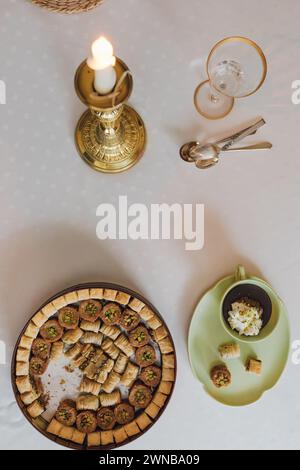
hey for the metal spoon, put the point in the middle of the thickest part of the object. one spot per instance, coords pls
(212, 150)
(193, 151)
(228, 142)
(210, 155)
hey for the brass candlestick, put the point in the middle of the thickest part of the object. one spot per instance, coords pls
(110, 136)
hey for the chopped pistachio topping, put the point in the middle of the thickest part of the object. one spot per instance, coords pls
(52, 332)
(91, 309)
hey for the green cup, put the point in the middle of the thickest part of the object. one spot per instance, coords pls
(257, 290)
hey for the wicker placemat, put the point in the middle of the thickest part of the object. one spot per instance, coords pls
(67, 6)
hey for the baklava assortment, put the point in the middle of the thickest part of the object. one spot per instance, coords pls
(220, 374)
(125, 357)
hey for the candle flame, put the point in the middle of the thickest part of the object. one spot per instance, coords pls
(102, 54)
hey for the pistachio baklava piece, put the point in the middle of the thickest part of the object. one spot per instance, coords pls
(71, 297)
(110, 348)
(124, 413)
(140, 396)
(110, 399)
(86, 422)
(122, 298)
(152, 410)
(26, 342)
(87, 402)
(107, 438)
(220, 376)
(74, 351)
(90, 386)
(49, 310)
(66, 432)
(83, 294)
(51, 331)
(104, 370)
(94, 439)
(96, 293)
(111, 382)
(57, 350)
(59, 302)
(165, 387)
(32, 330)
(168, 361)
(139, 337)
(29, 397)
(154, 322)
(168, 375)
(124, 345)
(254, 366)
(143, 421)
(78, 437)
(146, 313)
(54, 427)
(121, 363)
(41, 348)
(136, 305)
(111, 314)
(110, 294)
(66, 413)
(68, 317)
(106, 419)
(72, 336)
(150, 376)
(22, 355)
(145, 356)
(34, 391)
(159, 399)
(119, 435)
(129, 319)
(160, 333)
(92, 338)
(132, 429)
(23, 384)
(93, 327)
(36, 409)
(166, 345)
(37, 366)
(130, 374)
(111, 331)
(90, 310)
(39, 319)
(229, 351)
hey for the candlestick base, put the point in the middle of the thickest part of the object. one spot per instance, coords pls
(111, 150)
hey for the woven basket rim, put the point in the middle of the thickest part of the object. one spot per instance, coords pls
(67, 6)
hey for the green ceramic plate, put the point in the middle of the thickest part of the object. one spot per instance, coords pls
(207, 334)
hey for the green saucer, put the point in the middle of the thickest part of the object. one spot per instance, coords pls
(206, 334)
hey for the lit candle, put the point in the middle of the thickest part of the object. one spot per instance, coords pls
(103, 61)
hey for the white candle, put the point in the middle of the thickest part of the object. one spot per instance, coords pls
(103, 61)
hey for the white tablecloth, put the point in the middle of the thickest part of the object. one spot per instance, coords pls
(49, 196)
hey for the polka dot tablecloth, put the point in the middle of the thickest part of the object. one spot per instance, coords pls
(49, 197)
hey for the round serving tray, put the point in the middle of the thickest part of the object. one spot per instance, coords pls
(67, 6)
(40, 424)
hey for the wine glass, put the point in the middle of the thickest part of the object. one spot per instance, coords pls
(236, 67)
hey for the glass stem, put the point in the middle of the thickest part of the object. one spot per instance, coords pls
(214, 99)
(214, 95)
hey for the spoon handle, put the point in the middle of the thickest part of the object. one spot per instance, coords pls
(227, 139)
(245, 133)
(261, 146)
